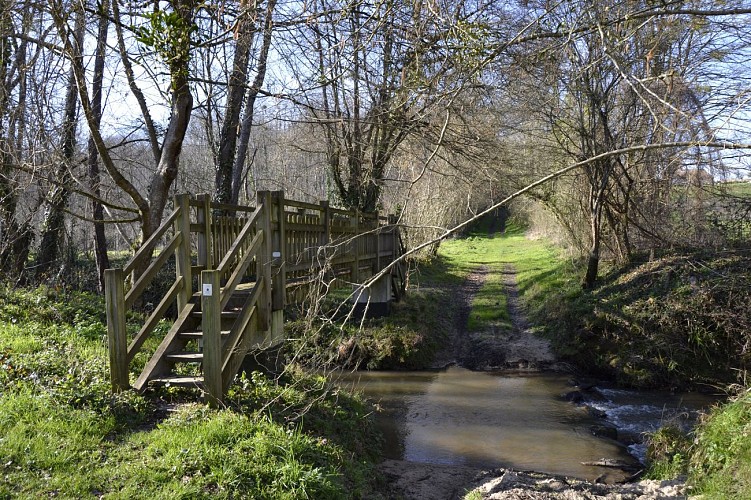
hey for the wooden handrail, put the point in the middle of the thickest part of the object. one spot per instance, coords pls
(148, 245)
(242, 321)
(242, 266)
(148, 276)
(232, 208)
(237, 244)
(303, 204)
(154, 318)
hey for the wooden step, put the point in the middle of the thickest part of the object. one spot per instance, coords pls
(179, 381)
(225, 314)
(198, 335)
(186, 357)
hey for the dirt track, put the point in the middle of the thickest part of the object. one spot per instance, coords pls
(495, 349)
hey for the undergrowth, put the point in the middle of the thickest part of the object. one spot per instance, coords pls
(407, 338)
(62, 433)
(679, 321)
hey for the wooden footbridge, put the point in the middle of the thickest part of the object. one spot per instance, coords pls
(236, 267)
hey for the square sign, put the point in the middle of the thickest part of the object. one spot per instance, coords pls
(208, 290)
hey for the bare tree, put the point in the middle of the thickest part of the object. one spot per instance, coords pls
(100, 240)
(15, 57)
(234, 136)
(168, 34)
(53, 224)
(613, 82)
(369, 73)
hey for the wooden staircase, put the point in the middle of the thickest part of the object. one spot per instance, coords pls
(245, 261)
(178, 361)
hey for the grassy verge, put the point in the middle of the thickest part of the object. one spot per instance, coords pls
(64, 434)
(716, 456)
(677, 321)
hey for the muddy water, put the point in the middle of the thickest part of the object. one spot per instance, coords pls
(488, 420)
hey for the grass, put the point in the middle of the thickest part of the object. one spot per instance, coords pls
(739, 189)
(681, 320)
(64, 434)
(472, 253)
(720, 463)
(715, 456)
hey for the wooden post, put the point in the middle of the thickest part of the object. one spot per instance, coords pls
(377, 244)
(264, 260)
(279, 253)
(394, 238)
(212, 337)
(182, 253)
(117, 336)
(278, 270)
(326, 222)
(355, 246)
(203, 218)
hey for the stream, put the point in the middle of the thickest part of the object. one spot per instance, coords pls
(520, 421)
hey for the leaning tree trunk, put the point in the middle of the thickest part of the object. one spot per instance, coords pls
(182, 105)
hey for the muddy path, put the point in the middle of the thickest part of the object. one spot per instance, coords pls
(496, 348)
(457, 347)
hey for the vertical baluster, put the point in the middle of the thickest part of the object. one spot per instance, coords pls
(182, 253)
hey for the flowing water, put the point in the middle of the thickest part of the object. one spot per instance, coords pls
(485, 419)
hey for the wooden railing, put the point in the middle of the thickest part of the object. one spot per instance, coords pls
(271, 250)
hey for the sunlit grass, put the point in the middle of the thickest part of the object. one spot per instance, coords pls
(716, 455)
(720, 465)
(740, 189)
(538, 265)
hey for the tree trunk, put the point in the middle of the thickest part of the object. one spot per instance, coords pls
(8, 226)
(597, 196)
(100, 240)
(182, 105)
(54, 219)
(250, 103)
(15, 238)
(238, 80)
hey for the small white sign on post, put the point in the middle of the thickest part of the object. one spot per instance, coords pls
(208, 290)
